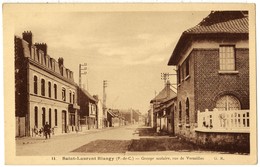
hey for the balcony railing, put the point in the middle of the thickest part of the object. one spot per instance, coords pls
(224, 121)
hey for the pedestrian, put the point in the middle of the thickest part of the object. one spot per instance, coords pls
(47, 130)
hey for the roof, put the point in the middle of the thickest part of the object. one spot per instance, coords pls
(216, 23)
(88, 95)
(231, 26)
(162, 96)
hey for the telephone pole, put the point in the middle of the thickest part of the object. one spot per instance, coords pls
(82, 71)
(104, 95)
(104, 103)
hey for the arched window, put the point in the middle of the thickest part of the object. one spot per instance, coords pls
(43, 116)
(228, 102)
(49, 89)
(36, 117)
(187, 111)
(55, 91)
(35, 85)
(50, 117)
(70, 97)
(73, 97)
(63, 94)
(56, 117)
(43, 87)
(180, 113)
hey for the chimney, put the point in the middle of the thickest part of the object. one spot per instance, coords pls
(43, 47)
(61, 61)
(27, 36)
(95, 96)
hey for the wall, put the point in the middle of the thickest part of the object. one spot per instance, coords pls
(185, 90)
(210, 84)
(231, 142)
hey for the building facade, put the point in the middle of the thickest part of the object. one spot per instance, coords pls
(213, 74)
(88, 110)
(45, 89)
(162, 112)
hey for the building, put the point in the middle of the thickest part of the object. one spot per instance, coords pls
(88, 110)
(45, 90)
(212, 59)
(101, 115)
(115, 118)
(163, 107)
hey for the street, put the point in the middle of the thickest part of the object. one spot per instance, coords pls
(64, 144)
(131, 138)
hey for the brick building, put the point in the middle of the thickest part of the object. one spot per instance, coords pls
(212, 59)
(45, 90)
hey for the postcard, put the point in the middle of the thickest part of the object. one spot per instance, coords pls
(130, 83)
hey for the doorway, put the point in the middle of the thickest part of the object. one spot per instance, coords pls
(64, 121)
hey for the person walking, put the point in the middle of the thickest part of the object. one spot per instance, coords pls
(47, 130)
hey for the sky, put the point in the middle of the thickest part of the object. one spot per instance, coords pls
(128, 49)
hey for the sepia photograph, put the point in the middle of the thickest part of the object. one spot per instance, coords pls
(130, 84)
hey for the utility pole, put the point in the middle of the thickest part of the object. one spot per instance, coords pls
(82, 71)
(104, 97)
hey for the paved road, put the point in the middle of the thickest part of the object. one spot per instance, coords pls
(126, 139)
(65, 144)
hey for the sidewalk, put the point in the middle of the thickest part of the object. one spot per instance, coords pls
(41, 139)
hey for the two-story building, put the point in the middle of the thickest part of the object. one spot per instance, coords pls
(163, 107)
(88, 110)
(212, 59)
(45, 90)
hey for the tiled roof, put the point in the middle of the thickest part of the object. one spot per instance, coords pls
(231, 26)
(216, 23)
(162, 96)
(89, 95)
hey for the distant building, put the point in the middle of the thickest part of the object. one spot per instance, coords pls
(101, 115)
(213, 80)
(45, 90)
(115, 118)
(163, 108)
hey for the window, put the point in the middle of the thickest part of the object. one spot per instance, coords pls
(70, 97)
(49, 88)
(63, 95)
(180, 113)
(55, 91)
(73, 97)
(228, 102)
(187, 66)
(43, 87)
(35, 85)
(56, 117)
(187, 111)
(36, 117)
(50, 117)
(179, 74)
(43, 116)
(227, 58)
(182, 71)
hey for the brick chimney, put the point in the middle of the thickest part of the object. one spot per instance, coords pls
(28, 37)
(42, 46)
(96, 97)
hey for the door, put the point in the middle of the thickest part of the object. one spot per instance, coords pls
(64, 121)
